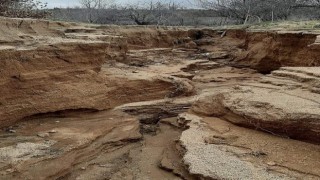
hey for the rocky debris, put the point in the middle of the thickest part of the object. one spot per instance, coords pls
(201, 65)
(156, 109)
(269, 110)
(215, 162)
(23, 151)
(43, 135)
(152, 113)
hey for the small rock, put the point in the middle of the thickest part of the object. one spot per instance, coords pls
(105, 165)
(57, 121)
(43, 135)
(10, 170)
(271, 163)
(53, 131)
(12, 131)
(83, 168)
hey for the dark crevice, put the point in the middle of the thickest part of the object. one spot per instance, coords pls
(61, 113)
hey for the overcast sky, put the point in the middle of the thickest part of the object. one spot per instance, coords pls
(71, 3)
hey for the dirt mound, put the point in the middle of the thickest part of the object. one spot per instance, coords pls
(263, 51)
(270, 51)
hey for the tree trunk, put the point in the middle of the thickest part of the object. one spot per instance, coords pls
(247, 16)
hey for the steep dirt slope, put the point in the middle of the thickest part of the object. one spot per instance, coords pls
(49, 72)
(263, 51)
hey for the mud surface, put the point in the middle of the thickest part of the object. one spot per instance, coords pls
(106, 102)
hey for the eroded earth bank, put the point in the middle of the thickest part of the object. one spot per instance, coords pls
(107, 102)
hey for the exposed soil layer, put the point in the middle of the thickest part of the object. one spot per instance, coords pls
(85, 101)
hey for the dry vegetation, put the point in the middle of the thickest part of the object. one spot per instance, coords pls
(208, 13)
(211, 13)
(23, 8)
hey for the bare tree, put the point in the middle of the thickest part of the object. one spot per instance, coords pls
(93, 8)
(308, 3)
(244, 10)
(158, 12)
(215, 12)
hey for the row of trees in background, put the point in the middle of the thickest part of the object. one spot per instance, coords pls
(154, 12)
(23, 8)
(223, 11)
(104, 11)
(162, 12)
(93, 8)
(148, 13)
(262, 10)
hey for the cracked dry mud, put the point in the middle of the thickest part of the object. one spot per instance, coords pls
(107, 102)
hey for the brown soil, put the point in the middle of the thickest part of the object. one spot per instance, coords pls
(85, 101)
